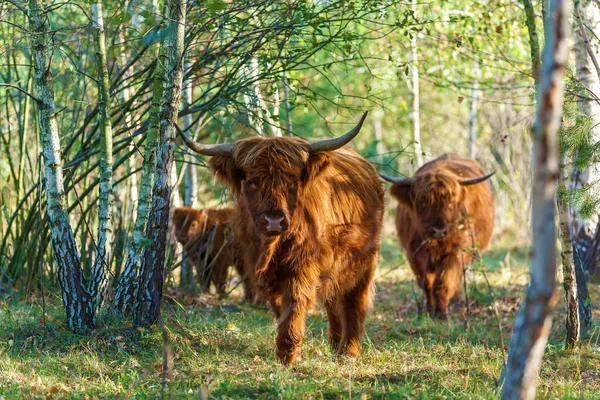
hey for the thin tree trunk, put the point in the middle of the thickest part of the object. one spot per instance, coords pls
(472, 119)
(101, 267)
(128, 284)
(534, 45)
(569, 277)
(76, 299)
(254, 101)
(534, 319)
(147, 308)
(286, 100)
(23, 136)
(415, 117)
(588, 15)
(586, 73)
(186, 277)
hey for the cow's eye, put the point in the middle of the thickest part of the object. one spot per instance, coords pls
(251, 183)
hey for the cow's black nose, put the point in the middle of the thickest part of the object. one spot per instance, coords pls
(437, 233)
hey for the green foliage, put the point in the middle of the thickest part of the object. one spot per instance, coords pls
(577, 144)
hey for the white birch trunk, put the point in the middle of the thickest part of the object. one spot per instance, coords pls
(286, 100)
(472, 120)
(534, 320)
(376, 120)
(148, 299)
(190, 198)
(258, 112)
(415, 117)
(101, 267)
(132, 185)
(587, 75)
(76, 299)
(191, 177)
(569, 277)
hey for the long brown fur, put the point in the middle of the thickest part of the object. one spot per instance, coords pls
(438, 199)
(207, 237)
(333, 203)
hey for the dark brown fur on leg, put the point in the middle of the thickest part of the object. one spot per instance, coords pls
(447, 282)
(335, 325)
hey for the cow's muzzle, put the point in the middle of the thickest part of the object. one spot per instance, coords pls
(437, 233)
(273, 223)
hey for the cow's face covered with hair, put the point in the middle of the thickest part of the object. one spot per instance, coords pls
(437, 200)
(270, 176)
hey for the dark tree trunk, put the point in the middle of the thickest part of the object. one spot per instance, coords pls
(147, 308)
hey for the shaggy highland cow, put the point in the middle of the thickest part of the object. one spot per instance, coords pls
(307, 225)
(445, 211)
(207, 238)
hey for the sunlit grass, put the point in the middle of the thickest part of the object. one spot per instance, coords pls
(225, 349)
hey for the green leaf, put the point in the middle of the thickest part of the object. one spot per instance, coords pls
(216, 5)
(146, 242)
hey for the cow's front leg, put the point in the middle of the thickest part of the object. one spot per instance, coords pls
(297, 299)
(447, 281)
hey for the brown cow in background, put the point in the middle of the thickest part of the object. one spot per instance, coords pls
(307, 224)
(444, 211)
(206, 236)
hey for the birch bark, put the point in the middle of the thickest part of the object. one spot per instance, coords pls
(76, 298)
(101, 267)
(148, 299)
(569, 277)
(534, 319)
(415, 116)
(191, 184)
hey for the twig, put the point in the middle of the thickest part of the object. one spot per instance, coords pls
(468, 313)
(20, 90)
(492, 296)
(41, 247)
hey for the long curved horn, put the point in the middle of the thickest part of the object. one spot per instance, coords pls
(223, 149)
(336, 143)
(472, 181)
(400, 181)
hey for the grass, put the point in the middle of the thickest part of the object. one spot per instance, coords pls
(224, 349)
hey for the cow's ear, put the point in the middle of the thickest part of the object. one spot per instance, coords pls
(227, 171)
(404, 193)
(316, 164)
(179, 217)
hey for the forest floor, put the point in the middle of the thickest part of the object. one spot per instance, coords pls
(225, 348)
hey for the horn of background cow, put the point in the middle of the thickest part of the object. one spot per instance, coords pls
(401, 181)
(472, 181)
(223, 149)
(336, 143)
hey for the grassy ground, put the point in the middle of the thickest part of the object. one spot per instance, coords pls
(225, 349)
